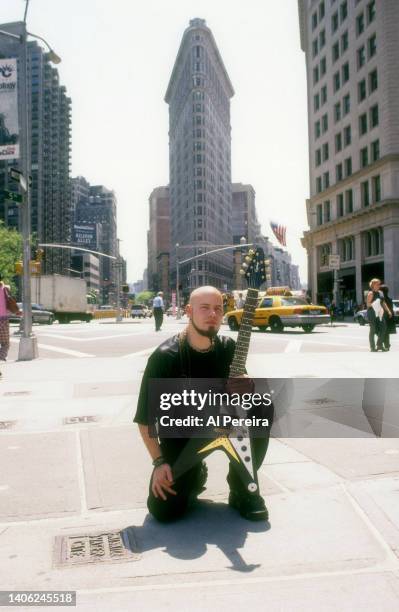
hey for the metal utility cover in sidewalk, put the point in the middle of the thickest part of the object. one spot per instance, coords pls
(111, 547)
(90, 418)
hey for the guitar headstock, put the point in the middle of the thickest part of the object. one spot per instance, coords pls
(253, 268)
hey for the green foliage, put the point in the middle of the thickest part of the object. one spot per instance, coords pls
(10, 253)
(145, 297)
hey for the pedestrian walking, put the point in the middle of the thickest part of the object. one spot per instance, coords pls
(7, 304)
(157, 309)
(376, 307)
(390, 325)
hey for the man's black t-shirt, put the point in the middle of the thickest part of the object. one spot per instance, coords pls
(173, 359)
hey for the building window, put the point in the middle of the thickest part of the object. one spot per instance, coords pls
(361, 57)
(314, 21)
(360, 24)
(338, 172)
(318, 157)
(337, 112)
(327, 211)
(338, 142)
(322, 10)
(315, 47)
(319, 214)
(372, 46)
(349, 201)
(324, 123)
(347, 248)
(336, 81)
(371, 12)
(344, 10)
(373, 81)
(317, 129)
(376, 181)
(344, 42)
(364, 157)
(346, 105)
(324, 253)
(325, 151)
(375, 150)
(363, 124)
(335, 52)
(347, 135)
(324, 94)
(326, 180)
(348, 166)
(361, 90)
(374, 242)
(316, 102)
(315, 75)
(323, 66)
(340, 205)
(374, 116)
(334, 22)
(345, 73)
(318, 184)
(365, 194)
(322, 39)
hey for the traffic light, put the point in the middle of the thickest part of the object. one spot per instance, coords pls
(125, 288)
(18, 267)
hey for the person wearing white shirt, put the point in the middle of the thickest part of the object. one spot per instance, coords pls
(157, 309)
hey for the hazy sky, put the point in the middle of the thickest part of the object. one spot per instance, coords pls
(117, 58)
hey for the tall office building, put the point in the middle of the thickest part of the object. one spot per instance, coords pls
(49, 124)
(352, 55)
(245, 222)
(98, 208)
(199, 95)
(158, 239)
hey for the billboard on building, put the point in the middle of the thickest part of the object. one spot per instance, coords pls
(85, 235)
(9, 130)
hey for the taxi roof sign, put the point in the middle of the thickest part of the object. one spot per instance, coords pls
(278, 291)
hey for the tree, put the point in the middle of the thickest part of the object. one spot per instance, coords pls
(10, 253)
(144, 297)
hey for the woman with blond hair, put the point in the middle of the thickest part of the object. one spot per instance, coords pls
(376, 307)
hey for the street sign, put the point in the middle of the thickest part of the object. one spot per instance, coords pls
(334, 262)
(12, 196)
(17, 175)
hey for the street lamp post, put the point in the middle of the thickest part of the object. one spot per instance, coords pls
(28, 341)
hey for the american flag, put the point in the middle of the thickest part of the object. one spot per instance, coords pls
(279, 231)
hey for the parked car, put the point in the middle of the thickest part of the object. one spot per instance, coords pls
(140, 311)
(39, 315)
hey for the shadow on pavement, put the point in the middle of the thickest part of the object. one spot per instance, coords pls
(206, 524)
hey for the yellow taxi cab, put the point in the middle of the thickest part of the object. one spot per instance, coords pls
(279, 308)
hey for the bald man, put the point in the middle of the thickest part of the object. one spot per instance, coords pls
(197, 352)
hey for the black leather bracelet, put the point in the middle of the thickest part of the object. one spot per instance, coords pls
(158, 461)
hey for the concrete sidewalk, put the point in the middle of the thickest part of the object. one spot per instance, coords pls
(69, 487)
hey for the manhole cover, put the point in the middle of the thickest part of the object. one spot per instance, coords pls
(90, 418)
(16, 393)
(320, 401)
(111, 547)
(7, 424)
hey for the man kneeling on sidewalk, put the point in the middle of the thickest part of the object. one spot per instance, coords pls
(198, 352)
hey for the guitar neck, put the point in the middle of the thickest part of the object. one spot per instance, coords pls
(244, 334)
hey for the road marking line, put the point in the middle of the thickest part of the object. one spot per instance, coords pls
(146, 351)
(293, 346)
(56, 349)
(74, 339)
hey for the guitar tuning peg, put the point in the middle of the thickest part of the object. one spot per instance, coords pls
(247, 258)
(242, 272)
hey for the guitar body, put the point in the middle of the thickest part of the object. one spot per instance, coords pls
(234, 442)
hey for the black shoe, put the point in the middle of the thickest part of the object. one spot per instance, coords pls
(373, 350)
(251, 507)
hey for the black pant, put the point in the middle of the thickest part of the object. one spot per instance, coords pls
(377, 328)
(158, 316)
(186, 485)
